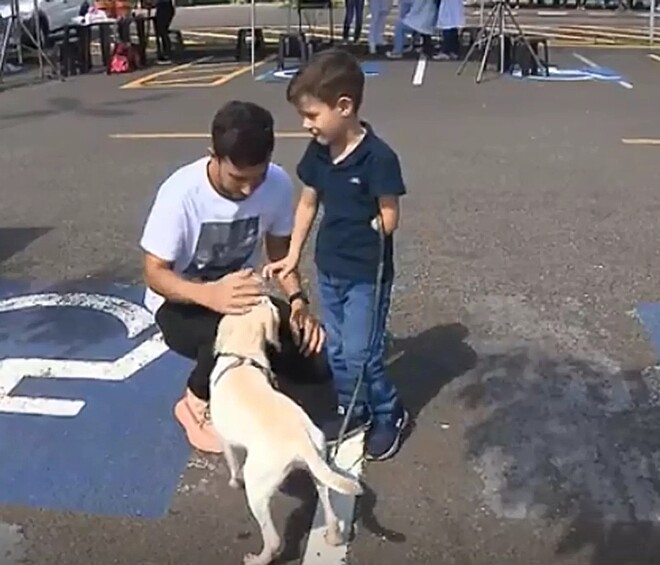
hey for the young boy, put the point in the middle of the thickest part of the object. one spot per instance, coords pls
(357, 178)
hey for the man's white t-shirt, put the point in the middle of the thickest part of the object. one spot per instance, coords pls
(207, 236)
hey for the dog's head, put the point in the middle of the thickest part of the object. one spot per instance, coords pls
(250, 332)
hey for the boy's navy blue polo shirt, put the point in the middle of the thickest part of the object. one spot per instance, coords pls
(346, 244)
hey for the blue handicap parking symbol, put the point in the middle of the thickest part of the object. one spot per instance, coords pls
(87, 388)
(649, 315)
(369, 68)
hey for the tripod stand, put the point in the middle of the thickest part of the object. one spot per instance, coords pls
(15, 27)
(494, 25)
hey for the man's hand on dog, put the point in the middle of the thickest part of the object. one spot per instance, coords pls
(307, 332)
(234, 293)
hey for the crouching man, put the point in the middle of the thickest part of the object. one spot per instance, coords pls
(202, 243)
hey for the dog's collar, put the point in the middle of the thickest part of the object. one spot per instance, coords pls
(238, 360)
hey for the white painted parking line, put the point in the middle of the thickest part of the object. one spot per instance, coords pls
(594, 65)
(318, 552)
(420, 69)
(11, 544)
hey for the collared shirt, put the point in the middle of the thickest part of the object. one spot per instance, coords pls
(346, 245)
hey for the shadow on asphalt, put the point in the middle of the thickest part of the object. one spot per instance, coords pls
(426, 362)
(15, 240)
(57, 105)
(423, 365)
(569, 441)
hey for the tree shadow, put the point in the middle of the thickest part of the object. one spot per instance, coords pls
(569, 440)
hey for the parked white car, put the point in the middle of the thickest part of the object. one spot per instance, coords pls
(53, 14)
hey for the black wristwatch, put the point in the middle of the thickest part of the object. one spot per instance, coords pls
(300, 295)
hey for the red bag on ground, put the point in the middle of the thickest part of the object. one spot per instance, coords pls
(124, 59)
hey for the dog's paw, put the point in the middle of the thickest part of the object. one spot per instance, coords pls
(236, 483)
(252, 559)
(332, 535)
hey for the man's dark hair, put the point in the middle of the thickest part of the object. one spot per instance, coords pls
(243, 132)
(328, 76)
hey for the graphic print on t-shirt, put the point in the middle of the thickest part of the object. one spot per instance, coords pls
(223, 247)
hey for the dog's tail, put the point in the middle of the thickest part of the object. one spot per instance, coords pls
(324, 474)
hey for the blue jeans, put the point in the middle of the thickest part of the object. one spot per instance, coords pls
(347, 310)
(354, 9)
(400, 29)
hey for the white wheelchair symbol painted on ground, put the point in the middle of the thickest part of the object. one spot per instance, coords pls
(573, 75)
(135, 318)
(288, 74)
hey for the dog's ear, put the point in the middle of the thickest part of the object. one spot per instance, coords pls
(272, 326)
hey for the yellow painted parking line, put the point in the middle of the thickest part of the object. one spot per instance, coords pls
(211, 34)
(215, 68)
(197, 74)
(179, 85)
(137, 83)
(640, 141)
(551, 32)
(195, 135)
(188, 81)
(656, 58)
(238, 72)
(605, 34)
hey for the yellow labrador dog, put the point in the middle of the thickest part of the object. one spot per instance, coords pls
(279, 436)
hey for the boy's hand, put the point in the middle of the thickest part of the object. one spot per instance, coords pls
(282, 268)
(308, 334)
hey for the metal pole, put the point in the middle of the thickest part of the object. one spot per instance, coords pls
(15, 15)
(288, 17)
(252, 38)
(38, 37)
(482, 7)
(652, 23)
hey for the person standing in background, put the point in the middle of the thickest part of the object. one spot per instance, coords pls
(451, 17)
(400, 30)
(165, 11)
(422, 18)
(353, 9)
(379, 9)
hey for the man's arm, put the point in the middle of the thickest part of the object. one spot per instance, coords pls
(159, 277)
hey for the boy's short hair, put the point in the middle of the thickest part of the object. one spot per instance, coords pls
(243, 132)
(329, 75)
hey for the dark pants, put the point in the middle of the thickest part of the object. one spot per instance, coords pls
(450, 42)
(162, 20)
(354, 9)
(190, 331)
(348, 311)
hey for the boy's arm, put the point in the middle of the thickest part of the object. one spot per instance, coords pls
(306, 211)
(386, 184)
(278, 244)
(388, 207)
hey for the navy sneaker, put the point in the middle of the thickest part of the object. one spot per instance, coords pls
(358, 422)
(384, 438)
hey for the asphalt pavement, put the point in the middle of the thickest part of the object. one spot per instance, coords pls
(528, 236)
